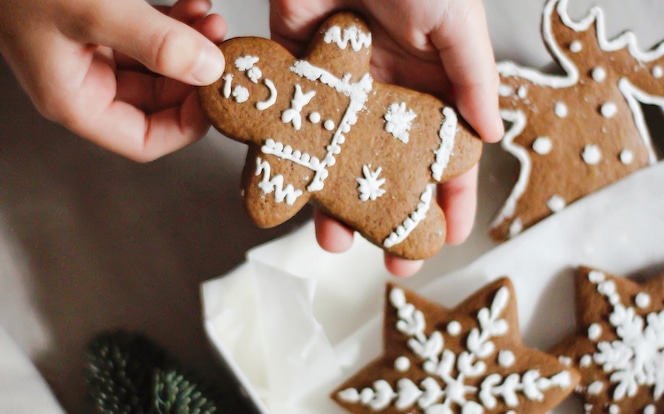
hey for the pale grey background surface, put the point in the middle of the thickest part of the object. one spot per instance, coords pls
(90, 241)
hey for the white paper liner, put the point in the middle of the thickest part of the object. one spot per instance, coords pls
(295, 320)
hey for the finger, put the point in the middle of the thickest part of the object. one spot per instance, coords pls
(148, 92)
(159, 42)
(458, 199)
(332, 235)
(189, 11)
(402, 267)
(467, 57)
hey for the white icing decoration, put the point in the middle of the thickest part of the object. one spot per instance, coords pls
(240, 94)
(585, 361)
(596, 276)
(565, 360)
(634, 358)
(369, 186)
(650, 409)
(228, 82)
(353, 35)
(454, 328)
(657, 71)
(276, 184)
(254, 74)
(575, 46)
(595, 388)
(642, 300)
(271, 100)
(505, 90)
(522, 92)
(408, 225)
(560, 109)
(608, 109)
(599, 74)
(402, 364)
(328, 125)
(445, 386)
(314, 117)
(294, 113)
(506, 358)
(358, 93)
(398, 120)
(517, 119)
(446, 134)
(244, 63)
(594, 331)
(614, 409)
(556, 203)
(542, 145)
(626, 156)
(591, 154)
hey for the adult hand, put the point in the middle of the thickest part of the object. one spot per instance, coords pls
(118, 72)
(446, 44)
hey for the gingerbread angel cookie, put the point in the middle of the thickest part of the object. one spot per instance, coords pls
(321, 130)
(468, 360)
(578, 132)
(619, 344)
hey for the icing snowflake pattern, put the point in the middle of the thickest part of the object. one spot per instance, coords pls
(369, 186)
(636, 358)
(398, 120)
(445, 386)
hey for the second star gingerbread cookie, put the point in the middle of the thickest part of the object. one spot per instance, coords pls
(320, 129)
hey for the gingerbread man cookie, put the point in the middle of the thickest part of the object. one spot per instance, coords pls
(469, 360)
(578, 132)
(321, 130)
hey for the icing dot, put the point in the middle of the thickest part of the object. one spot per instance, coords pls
(614, 409)
(591, 154)
(594, 331)
(556, 203)
(598, 74)
(314, 117)
(596, 276)
(575, 46)
(506, 358)
(522, 92)
(560, 109)
(241, 94)
(516, 227)
(542, 145)
(329, 125)
(254, 74)
(649, 409)
(565, 360)
(642, 300)
(626, 156)
(607, 288)
(657, 71)
(595, 387)
(608, 109)
(402, 364)
(585, 361)
(454, 328)
(505, 90)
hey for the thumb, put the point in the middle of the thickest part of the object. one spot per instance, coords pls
(163, 44)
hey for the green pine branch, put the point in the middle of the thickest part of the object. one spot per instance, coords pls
(128, 373)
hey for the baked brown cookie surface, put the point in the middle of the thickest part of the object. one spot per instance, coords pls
(467, 360)
(577, 132)
(320, 129)
(618, 347)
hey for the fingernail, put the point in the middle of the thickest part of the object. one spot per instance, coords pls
(210, 65)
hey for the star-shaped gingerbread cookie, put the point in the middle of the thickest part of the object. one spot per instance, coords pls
(321, 130)
(618, 346)
(577, 132)
(467, 360)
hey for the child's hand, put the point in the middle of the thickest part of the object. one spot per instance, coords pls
(440, 47)
(93, 65)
